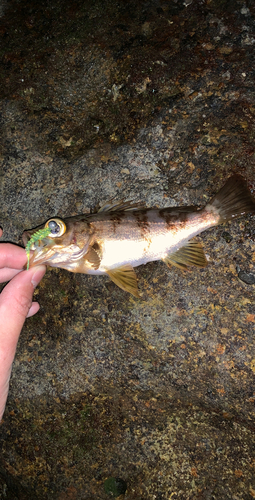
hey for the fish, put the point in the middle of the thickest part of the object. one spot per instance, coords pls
(123, 235)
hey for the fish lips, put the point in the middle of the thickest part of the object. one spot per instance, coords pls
(41, 250)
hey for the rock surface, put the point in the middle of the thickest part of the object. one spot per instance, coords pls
(145, 101)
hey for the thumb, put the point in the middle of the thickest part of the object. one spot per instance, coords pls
(15, 303)
(16, 300)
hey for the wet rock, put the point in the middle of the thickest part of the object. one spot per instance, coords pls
(150, 102)
(248, 278)
(115, 486)
(227, 236)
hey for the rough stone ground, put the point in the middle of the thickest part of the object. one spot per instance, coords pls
(146, 101)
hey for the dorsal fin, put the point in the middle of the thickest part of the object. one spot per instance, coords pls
(114, 206)
(192, 254)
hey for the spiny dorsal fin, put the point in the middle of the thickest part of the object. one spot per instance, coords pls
(192, 254)
(125, 278)
(114, 206)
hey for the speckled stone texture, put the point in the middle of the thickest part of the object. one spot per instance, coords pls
(150, 101)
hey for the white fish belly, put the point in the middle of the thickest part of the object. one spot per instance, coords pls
(119, 253)
(152, 246)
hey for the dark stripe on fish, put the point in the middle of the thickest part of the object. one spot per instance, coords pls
(174, 220)
(144, 226)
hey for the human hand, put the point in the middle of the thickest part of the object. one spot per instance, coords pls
(15, 306)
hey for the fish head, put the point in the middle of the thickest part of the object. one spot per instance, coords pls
(58, 243)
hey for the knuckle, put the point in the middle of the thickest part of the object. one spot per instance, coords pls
(21, 304)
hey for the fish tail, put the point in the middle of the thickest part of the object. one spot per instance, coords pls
(233, 200)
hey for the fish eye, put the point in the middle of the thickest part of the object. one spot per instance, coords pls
(56, 226)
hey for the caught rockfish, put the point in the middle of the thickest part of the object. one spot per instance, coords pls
(122, 236)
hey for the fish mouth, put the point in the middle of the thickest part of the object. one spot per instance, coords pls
(46, 251)
(41, 250)
(26, 235)
(47, 256)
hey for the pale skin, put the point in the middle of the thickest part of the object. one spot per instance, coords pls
(15, 306)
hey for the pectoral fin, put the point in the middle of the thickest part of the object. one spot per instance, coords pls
(191, 254)
(125, 278)
(93, 258)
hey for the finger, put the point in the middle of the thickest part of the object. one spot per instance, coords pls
(1, 232)
(7, 274)
(33, 309)
(15, 302)
(12, 256)
(15, 305)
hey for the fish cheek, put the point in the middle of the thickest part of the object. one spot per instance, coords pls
(90, 261)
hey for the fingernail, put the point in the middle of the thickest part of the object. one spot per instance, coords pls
(38, 275)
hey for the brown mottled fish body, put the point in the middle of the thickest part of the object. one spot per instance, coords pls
(122, 236)
(135, 238)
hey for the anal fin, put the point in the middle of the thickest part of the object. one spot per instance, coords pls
(125, 278)
(192, 254)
